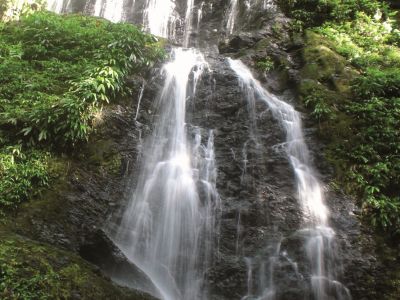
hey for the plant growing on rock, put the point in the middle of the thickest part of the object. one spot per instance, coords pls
(57, 73)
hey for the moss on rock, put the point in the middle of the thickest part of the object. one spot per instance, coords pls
(323, 64)
(31, 270)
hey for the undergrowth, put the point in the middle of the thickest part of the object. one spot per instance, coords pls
(57, 72)
(367, 151)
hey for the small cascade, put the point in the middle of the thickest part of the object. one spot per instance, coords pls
(188, 22)
(245, 162)
(141, 91)
(161, 18)
(268, 4)
(205, 168)
(199, 15)
(319, 236)
(249, 267)
(57, 6)
(232, 15)
(109, 9)
(238, 235)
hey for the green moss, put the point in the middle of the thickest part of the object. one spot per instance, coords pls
(321, 62)
(102, 155)
(30, 271)
(262, 44)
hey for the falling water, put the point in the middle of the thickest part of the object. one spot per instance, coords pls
(319, 235)
(57, 6)
(141, 91)
(109, 9)
(238, 234)
(188, 22)
(232, 14)
(166, 226)
(199, 15)
(161, 17)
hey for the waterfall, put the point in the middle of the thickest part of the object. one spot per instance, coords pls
(165, 224)
(109, 9)
(170, 225)
(161, 17)
(199, 16)
(57, 6)
(232, 14)
(188, 22)
(319, 234)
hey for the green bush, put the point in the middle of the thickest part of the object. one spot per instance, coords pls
(365, 41)
(33, 271)
(56, 73)
(21, 175)
(364, 116)
(377, 83)
(310, 13)
(265, 64)
(59, 70)
(14, 9)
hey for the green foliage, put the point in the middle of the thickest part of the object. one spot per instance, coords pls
(320, 110)
(265, 65)
(316, 97)
(59, 70)
(310, 13)
(33, 271)
(374, 156)
(14, 9)
(21, 175)
(56, 74)
(363, 118)
(365, 41)
(377, 83)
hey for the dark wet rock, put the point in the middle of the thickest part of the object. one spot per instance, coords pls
(100, 250)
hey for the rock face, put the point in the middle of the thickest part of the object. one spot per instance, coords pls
(260, 214)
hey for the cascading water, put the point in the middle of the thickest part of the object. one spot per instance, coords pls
(199, 15)
(161, 17)
(188, 22)
(109, 9)
(232, 14)
(169, 226)
(319, 234)
(57, 6)
(165, 225)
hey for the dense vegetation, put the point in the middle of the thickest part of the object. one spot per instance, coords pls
(56, 74)
(353, 46)
(34, 271)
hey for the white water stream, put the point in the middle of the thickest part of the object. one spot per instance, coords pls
(109, 9)
(310, 195)
(166, 229)
(57, 6)
(165, 225)
(232, 15)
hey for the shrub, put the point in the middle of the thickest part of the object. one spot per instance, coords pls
(22, 174)
(59, 70)
(56, 73)
(311, 13)
(367, 153)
